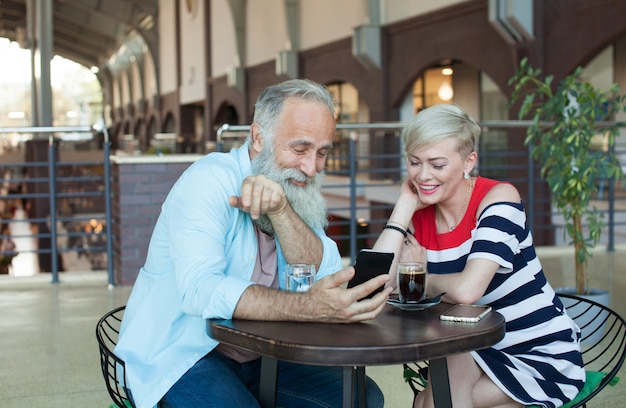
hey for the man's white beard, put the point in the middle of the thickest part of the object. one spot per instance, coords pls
(308, 202)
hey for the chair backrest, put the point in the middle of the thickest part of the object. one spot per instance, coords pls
(113, 368)
(603, 341)
(603, 344)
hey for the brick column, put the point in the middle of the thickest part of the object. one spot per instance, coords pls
(139, 185)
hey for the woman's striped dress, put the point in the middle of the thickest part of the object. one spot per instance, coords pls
(538, 361)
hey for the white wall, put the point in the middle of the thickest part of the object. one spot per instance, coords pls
(321, 22)
(267, 30)
(192, 53)
(150, 81)
(325, 21)
(115, 87)
(167, 46)
(124, 89)
(396, 10)
(135, 80)
(223, 46)
(599, 71)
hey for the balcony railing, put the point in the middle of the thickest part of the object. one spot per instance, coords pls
(365, 170)
(72, 194)
(60, 194)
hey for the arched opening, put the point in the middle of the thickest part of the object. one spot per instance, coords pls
(140, 135)
(151, 130)
(169, 124)
(227, 113)
(456, 82)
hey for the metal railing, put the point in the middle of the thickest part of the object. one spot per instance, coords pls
(363, 176)
(361, 187)
(73, 196)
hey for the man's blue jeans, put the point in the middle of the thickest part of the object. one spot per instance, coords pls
(217, 381)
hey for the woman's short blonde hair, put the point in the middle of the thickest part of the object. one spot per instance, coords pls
(437, 123)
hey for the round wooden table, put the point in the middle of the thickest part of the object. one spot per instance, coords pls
(395, 336)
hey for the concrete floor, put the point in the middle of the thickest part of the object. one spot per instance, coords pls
(49, 355)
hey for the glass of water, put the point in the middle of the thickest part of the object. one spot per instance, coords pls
(300, 277)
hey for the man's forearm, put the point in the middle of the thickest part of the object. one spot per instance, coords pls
(261, 303)
(298, 241)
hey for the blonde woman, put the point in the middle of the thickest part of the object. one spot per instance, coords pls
(480, 250)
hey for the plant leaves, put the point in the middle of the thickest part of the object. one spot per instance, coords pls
(565, 149)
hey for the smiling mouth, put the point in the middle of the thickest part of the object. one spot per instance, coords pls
(428, 188)
(298, 183)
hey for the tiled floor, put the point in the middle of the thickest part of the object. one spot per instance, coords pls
(49, 356)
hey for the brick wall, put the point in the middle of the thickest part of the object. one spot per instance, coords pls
(139, 185)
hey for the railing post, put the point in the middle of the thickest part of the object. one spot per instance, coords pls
(107, 208)
(219, 142)
(611, 244)
(353, 212)
(530, 209)
(53, 210)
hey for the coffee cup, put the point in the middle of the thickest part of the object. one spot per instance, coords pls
(412, 278)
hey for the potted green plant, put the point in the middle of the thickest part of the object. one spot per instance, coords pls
(565, 125)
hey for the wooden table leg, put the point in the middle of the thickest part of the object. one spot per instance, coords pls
(269, 373)
(440, 383)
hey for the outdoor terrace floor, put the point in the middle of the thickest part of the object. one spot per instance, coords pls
(49, 355)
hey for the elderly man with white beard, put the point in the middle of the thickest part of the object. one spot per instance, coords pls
(219, 249)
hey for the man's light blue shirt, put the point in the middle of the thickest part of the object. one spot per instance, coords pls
(200, 260)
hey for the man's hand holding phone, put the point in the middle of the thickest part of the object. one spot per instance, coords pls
(369, 264)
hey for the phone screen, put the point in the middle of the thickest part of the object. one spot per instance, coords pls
(369, 264)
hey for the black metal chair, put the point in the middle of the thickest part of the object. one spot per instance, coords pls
(113, 368)
(603, 345)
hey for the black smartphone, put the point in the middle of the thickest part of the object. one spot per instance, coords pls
(369, 264)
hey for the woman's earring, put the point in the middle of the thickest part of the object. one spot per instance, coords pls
(466, 175)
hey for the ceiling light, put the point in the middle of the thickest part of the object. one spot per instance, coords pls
(445, 92)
